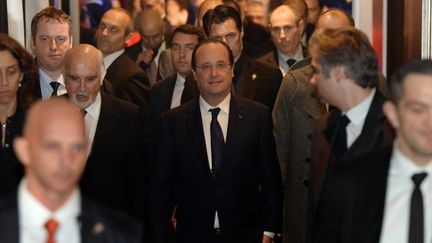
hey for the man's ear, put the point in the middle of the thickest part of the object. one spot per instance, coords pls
(22, 150)
(338, 73)
(128, 38)
(301, 26)
(194, 74)
(390, 111)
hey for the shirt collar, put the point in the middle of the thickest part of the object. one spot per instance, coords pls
(47, 79)
(37, 214)
(94, 109)
(179, 80)
(404, 166)
(297, 56)
(110, 58)
(224, 105)
(357, 114)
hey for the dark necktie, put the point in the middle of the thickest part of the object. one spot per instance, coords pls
(188, 91)
(340, 143)
(291, 62)
(217, 140)
(416, 228)
(51, 227)
(55, 86)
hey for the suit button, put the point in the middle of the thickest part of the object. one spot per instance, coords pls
(308, 160)
(306, 182)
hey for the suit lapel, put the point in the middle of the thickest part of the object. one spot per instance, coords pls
(248, 78)
(92, 228)
(195, 128)
(371, 194)
(167, 94)
(234, 133)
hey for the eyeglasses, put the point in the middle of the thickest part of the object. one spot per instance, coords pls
(207, 67)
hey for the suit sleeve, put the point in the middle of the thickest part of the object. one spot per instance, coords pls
(161, 188)
(271, 183)
(281, 121)
(136, 91)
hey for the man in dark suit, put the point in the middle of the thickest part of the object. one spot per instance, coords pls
(253, 80)
(179, 87)
(153, 42)
(385, 196)
(128, 80)
(216, 162)
(51, 37)
(48, 206)
(286, 28)
(346, 74)
(115, 170)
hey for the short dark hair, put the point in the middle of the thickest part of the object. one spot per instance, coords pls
(25, 95)
(219, 15)
(189, 30)
(214, 41)
(50, 13)
(349, 48)
(423, 67)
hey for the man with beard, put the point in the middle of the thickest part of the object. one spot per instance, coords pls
(114, 172)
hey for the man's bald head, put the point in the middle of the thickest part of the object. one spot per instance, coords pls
(151, 27)
(299, 7)
(53, 150)
(83, 74)
(334, 18)
(203, 8)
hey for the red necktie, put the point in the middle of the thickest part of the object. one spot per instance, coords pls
(51, 226)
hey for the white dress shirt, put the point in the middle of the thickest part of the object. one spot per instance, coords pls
(91, 119)
(33, 216)
(178, 91)
(282, 59)
(400, 186)
(46, 88)
(357, 116)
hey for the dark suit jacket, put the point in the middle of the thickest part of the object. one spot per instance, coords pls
(115, 170)
(160, 101)
(295, 113)
(272, 59)
(117, 227)
(245, 190)
(377, 133)
(129, 81)
(352, 204)
(256, 81)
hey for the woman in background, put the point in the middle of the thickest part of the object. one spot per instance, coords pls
(17, 79)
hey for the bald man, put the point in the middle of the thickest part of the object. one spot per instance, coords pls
(114, 172)
(129, 81)
(286, 28)
(296, 110)
(203, 8)
(146, 53)
(48, 206)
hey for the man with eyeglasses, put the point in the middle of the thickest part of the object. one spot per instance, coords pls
(216, 162)
(253, 80)
(286, 28)
(51, 37)
(129, 81)
(146, 53)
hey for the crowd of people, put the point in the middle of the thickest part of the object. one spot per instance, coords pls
(260, 122)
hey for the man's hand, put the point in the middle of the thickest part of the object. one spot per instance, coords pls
(145, 56)
(267, 239)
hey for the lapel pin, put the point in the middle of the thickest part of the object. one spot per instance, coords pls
(240, 116)
(98, 228)
(254, 76)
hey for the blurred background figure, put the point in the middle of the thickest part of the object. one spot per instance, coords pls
(313, 12)
(256, 13)
(177, 12)
(17, 79)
